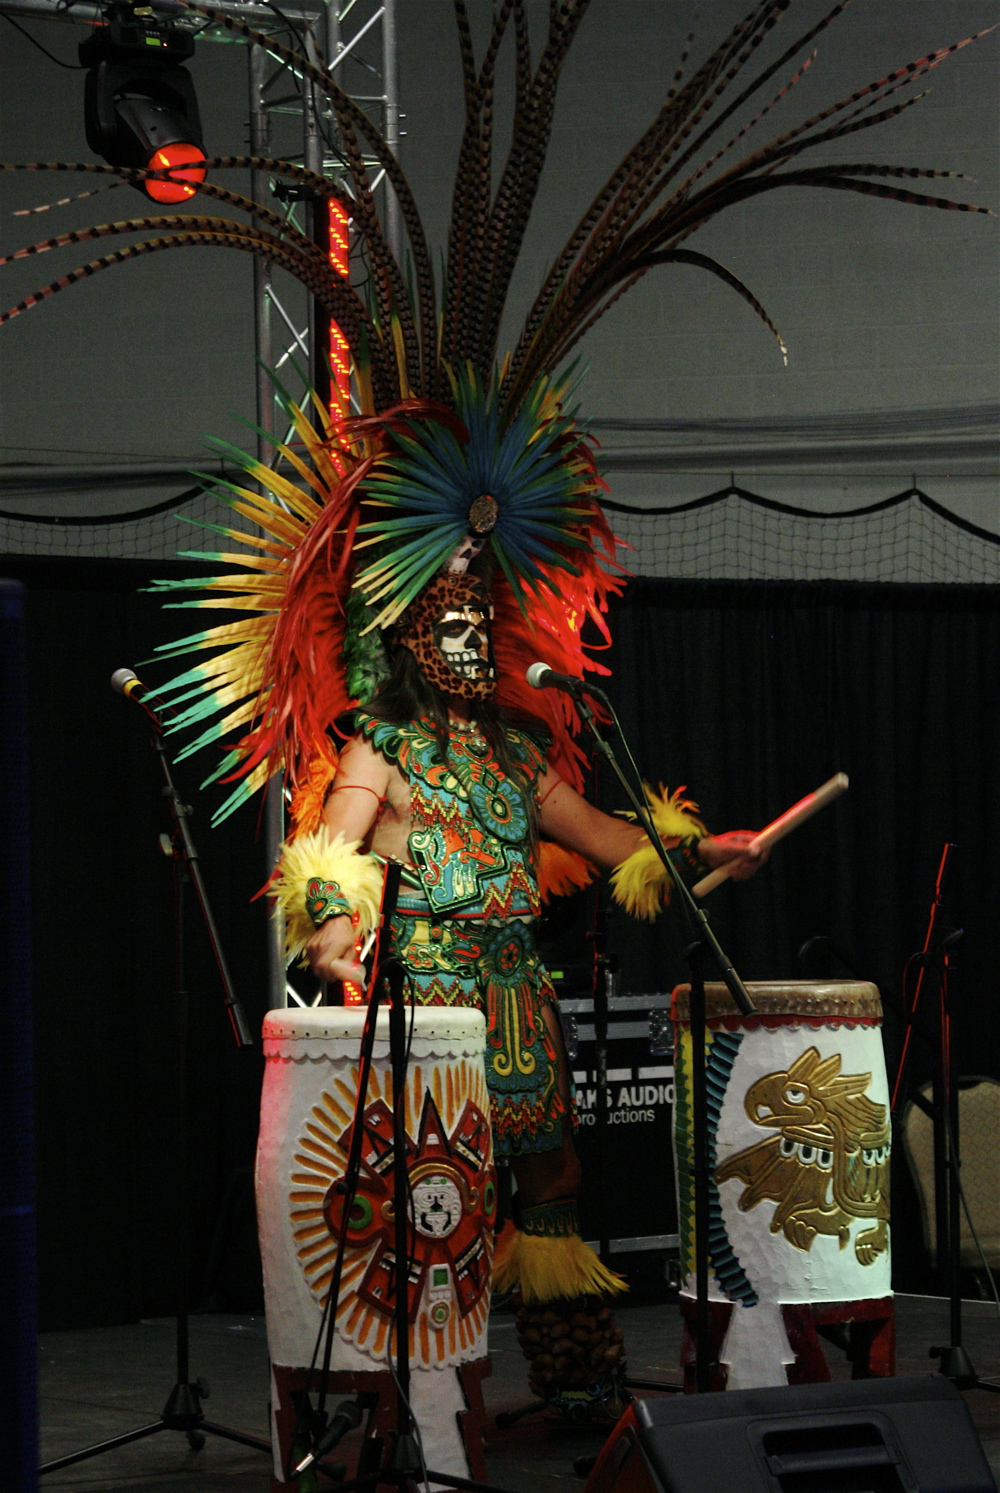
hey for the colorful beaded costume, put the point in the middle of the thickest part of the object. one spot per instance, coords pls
(465, 930)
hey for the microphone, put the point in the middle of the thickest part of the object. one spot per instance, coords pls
(127, 682)
(346, 1416)
(540, 676)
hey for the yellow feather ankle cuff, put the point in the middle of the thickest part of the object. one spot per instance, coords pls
(640, 884)
(543, 1268)
(317, 855)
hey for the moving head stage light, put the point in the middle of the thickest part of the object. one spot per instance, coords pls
(140, 104)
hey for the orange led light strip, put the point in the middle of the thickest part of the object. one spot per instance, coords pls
(340, 357)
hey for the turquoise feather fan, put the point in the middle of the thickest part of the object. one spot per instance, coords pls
(525, 485)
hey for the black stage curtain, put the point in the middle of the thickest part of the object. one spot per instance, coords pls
(750, 694)
(106, 1027)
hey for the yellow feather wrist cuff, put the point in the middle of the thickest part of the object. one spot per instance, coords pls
(641, 884)
(318, 858)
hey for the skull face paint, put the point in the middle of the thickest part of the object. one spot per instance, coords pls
(463, 639)
(448, 632)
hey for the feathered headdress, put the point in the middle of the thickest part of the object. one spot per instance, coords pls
(379, 505)
(359, 513)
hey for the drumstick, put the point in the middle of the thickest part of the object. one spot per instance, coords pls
(779, 828)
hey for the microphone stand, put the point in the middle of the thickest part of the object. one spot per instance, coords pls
(602, 984)
(183, 1410)
(384, 972)
(702, 939)
(604, 978)
(403, 1465)
(186, 853)
(935, 960)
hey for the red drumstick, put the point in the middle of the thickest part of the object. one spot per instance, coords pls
(779, 828)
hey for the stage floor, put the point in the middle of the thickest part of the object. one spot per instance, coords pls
(107, 1381)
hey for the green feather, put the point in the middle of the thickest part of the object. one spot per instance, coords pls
(365, 658)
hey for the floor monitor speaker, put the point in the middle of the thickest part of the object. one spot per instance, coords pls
(909, 1435)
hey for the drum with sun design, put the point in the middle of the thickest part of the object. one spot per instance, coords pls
(307, 1113)
(799, 1141)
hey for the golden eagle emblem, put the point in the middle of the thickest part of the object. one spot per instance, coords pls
(829, 1162)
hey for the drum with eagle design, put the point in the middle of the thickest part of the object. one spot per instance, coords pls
(312, 1059)
(799, 1141)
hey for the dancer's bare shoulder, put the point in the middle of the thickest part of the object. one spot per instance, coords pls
(370, 801)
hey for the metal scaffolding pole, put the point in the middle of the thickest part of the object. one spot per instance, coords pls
(390, 83)
(312, 159)
(324, 47)
(274, 812)
(332, 42)
(260, 142)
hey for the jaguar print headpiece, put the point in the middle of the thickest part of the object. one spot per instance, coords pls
(448, 631)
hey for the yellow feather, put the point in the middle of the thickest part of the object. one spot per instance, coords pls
(317, 449)
(241, 536)
(244, 634)
(235, 663)
(250, 581)
(272, 518)
(244, 603)
(235, 694)
(336, 398)
(284, 489)
(268, 503)
(262, 499)
(230, 685)
(260, 775)
(249, 693)
(641, 884)
(545, 1269)
(256, 562)
(309, 476)
(227, 665)
(309, 856)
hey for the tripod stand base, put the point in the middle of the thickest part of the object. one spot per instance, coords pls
(956, 1365)
(182, 1412)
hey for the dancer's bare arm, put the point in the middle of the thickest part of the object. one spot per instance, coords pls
(359, 790)
(574, 823)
